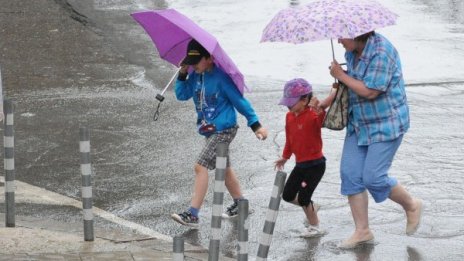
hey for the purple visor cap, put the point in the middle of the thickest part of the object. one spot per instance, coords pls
(293, 90)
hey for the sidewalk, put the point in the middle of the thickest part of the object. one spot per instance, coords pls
(26, 241)
(61, 236)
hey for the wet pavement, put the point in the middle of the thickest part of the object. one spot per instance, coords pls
(36, 238)
(88, 64)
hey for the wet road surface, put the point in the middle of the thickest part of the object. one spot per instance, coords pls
(64, 73)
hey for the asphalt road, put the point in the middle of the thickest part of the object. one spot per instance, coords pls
(86, 63)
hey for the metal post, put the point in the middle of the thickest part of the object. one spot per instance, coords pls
(218, 198)
(178, 249)
(271, 216)
(86, 170)
(243, 225)
(9, 163)
(1, 94)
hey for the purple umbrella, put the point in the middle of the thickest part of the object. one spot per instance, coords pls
(171, 31)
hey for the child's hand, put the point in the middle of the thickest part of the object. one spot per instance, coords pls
(183, 69)
(261, 133)
(279, 164)
(314, 104)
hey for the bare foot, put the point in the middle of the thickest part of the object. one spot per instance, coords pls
(413, 217)
(358, 238)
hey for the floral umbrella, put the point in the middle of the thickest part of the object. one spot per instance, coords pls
(327, 19)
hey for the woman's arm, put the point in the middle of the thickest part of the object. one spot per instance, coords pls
(355, 85)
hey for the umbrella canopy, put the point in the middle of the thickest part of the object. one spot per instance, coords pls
(327, 19)
(171, 32)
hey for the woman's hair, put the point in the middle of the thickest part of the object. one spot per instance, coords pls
(363, 38)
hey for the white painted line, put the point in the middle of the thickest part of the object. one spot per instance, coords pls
(29, 193)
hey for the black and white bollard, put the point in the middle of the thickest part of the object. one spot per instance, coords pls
(218, 200)
(271, 216)
(9, 163)
(178, 248)
(86, 170)
(243, 225)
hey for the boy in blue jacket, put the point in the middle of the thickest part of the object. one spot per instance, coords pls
(216, 100)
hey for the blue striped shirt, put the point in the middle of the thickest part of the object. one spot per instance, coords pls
(386, 117)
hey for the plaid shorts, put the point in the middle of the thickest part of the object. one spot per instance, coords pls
(207, 157)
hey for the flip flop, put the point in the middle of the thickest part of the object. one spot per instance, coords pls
(353, 244)
(412, 228)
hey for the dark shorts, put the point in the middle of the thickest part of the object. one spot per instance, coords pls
(303, 182)
(207, 157)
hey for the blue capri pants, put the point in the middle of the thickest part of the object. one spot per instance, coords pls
(366, 167)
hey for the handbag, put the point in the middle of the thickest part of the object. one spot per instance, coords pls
(336, 117)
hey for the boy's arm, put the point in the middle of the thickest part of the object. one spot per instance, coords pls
(243, 106)
(183, 89)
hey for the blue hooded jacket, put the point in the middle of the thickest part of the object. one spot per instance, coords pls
(220, 99)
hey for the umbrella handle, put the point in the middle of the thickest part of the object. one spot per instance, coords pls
(157, 113)
(333, 55)
(160, 96)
